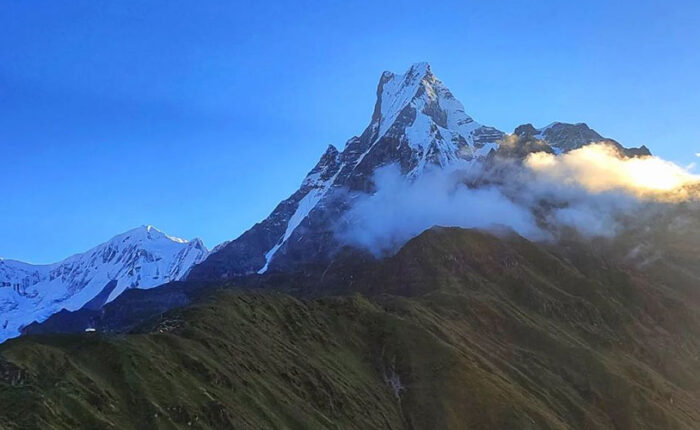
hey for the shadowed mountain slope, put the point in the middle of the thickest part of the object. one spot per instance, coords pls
(459, 329)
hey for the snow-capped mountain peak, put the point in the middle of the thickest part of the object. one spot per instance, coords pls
(416, 123)
(419, 93)
(143, 257)
(398, 91)
(146, 232)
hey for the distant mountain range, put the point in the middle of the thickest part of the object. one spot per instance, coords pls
(417, 124)
(140, 258)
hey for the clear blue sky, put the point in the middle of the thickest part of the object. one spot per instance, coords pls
(199, 117)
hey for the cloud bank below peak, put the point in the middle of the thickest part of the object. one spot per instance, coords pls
(594, 190)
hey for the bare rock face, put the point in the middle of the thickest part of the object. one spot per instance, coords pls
(562, 137)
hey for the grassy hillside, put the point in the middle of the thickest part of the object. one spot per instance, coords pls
(460, 329)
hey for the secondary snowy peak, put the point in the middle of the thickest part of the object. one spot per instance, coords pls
(564, 137)
(143, 257)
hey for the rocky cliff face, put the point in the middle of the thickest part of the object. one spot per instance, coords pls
(562, 137)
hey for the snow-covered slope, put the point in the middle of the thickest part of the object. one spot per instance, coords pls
(140, 258)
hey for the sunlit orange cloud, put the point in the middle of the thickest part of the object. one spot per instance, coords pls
(600, 167)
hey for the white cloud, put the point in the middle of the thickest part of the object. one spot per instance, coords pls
(600, 168)
(593, 189)
(402, 209)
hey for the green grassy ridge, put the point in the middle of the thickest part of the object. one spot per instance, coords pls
(481, 331)
(233, 363)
